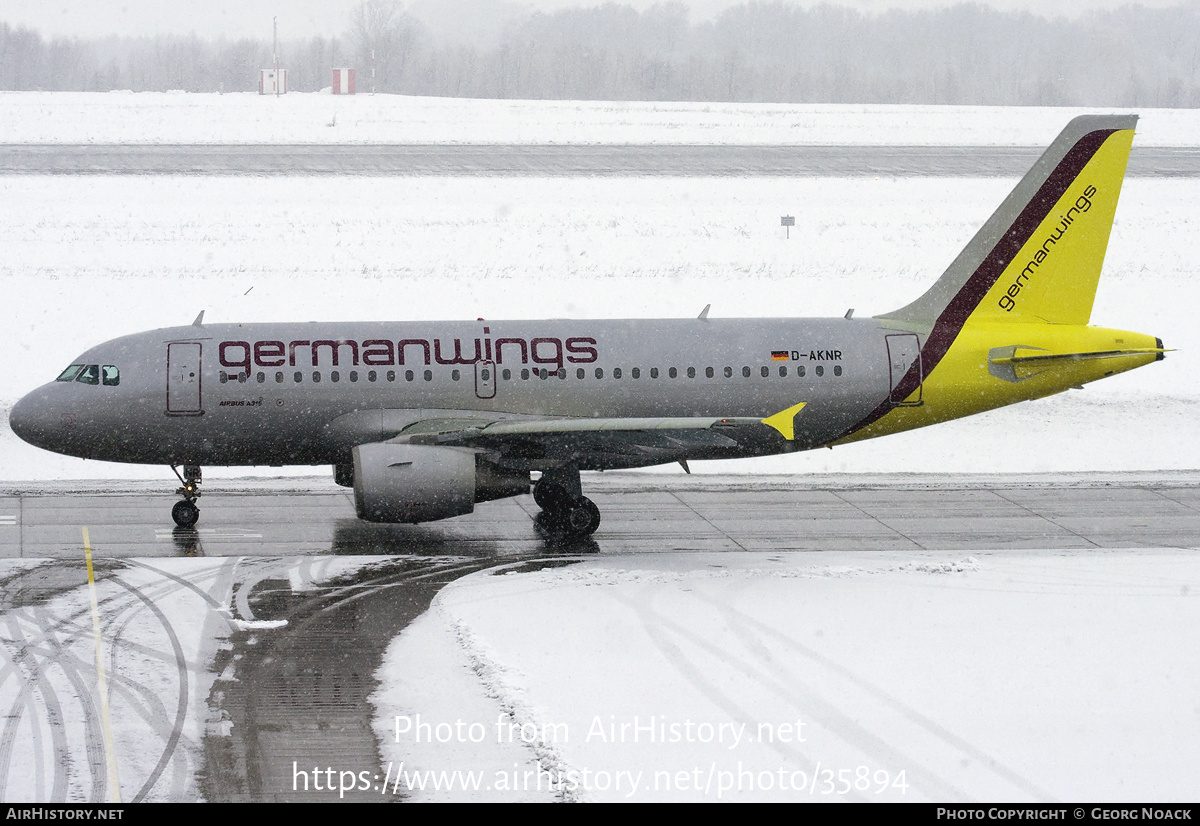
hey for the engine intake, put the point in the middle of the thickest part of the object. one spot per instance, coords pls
(422, 483)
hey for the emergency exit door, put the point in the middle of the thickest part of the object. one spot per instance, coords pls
(183, 379)
(485, 379)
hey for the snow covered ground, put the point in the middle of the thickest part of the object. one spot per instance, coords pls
(162, 622)
(179, 117)
(856, 676)
(827, 676)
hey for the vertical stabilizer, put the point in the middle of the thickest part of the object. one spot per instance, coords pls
(1038, 258)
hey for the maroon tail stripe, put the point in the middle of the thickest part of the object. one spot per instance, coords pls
(959, 309)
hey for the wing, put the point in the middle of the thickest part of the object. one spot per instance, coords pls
(592, 444)
(595, 444)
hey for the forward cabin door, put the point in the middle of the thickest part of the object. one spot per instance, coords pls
(904, 350)
(183, 379)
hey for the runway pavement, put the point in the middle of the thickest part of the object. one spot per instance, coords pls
(555, 160)
(639, 516)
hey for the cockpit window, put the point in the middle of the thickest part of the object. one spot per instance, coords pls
(89, 374)
(110, 375)
(70, 373)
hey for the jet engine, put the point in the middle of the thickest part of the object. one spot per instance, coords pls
(423, 483)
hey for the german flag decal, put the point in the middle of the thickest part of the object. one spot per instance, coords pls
(779, 355)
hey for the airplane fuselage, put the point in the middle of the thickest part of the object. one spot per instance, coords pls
(307, 393)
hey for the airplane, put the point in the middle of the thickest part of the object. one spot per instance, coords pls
(425, 420)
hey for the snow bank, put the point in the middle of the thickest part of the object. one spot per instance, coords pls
(824, 676)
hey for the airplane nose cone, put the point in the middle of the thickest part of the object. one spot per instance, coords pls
(28, 419)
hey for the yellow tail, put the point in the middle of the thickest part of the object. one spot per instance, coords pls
(1038, 258)
(1007, 321)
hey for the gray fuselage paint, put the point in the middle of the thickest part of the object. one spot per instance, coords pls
(248, 422)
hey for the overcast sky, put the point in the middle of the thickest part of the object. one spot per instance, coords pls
(306, 18)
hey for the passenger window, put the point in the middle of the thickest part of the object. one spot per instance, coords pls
(599, 372)
(691, 372)
(316, 377)
(456, 375)
(372, 375)
(261, 378)
(745, 372)
(428, 375)
(708, 372)
(580, 373)
(672, 372)
(507, 374)
(616, 372)
(353, 375)
(298, 377)
(800, 371)
(837, 369)
(110, 375)
(279, 378)
(782, 371)
(335, 376)
(89, 374)
(728, 372)
(653, 372)
(562, 372)
(525, 373)
(70, 373)
(766, 371)
(820, 370)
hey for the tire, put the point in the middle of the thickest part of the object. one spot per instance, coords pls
(185, 514)
(581, 518)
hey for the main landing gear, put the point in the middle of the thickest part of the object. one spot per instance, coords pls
(185, 513)
(565, 510)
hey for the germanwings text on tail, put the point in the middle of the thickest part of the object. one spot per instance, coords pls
(426, 419)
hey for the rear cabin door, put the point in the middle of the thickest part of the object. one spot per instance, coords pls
(183, 379)
(904, 351)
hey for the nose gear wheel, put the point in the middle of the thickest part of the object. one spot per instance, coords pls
(185, 513)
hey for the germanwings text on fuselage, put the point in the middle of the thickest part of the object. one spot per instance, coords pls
(381, 352)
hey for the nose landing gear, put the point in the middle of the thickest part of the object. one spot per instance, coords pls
(185, 513)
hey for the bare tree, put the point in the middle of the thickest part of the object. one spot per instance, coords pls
(384, 38)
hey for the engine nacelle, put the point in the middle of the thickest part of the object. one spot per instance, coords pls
(423, 483)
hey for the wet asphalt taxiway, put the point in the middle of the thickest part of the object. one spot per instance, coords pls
(639, 516)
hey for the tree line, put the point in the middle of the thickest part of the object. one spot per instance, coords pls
(771, 52)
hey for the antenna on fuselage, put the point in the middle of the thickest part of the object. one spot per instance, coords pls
(199, 322)
(704, 313)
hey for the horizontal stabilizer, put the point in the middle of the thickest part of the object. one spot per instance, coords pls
(1016, 363)
(1103, 354)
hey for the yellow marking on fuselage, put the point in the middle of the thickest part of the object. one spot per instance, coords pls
(961, 384)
